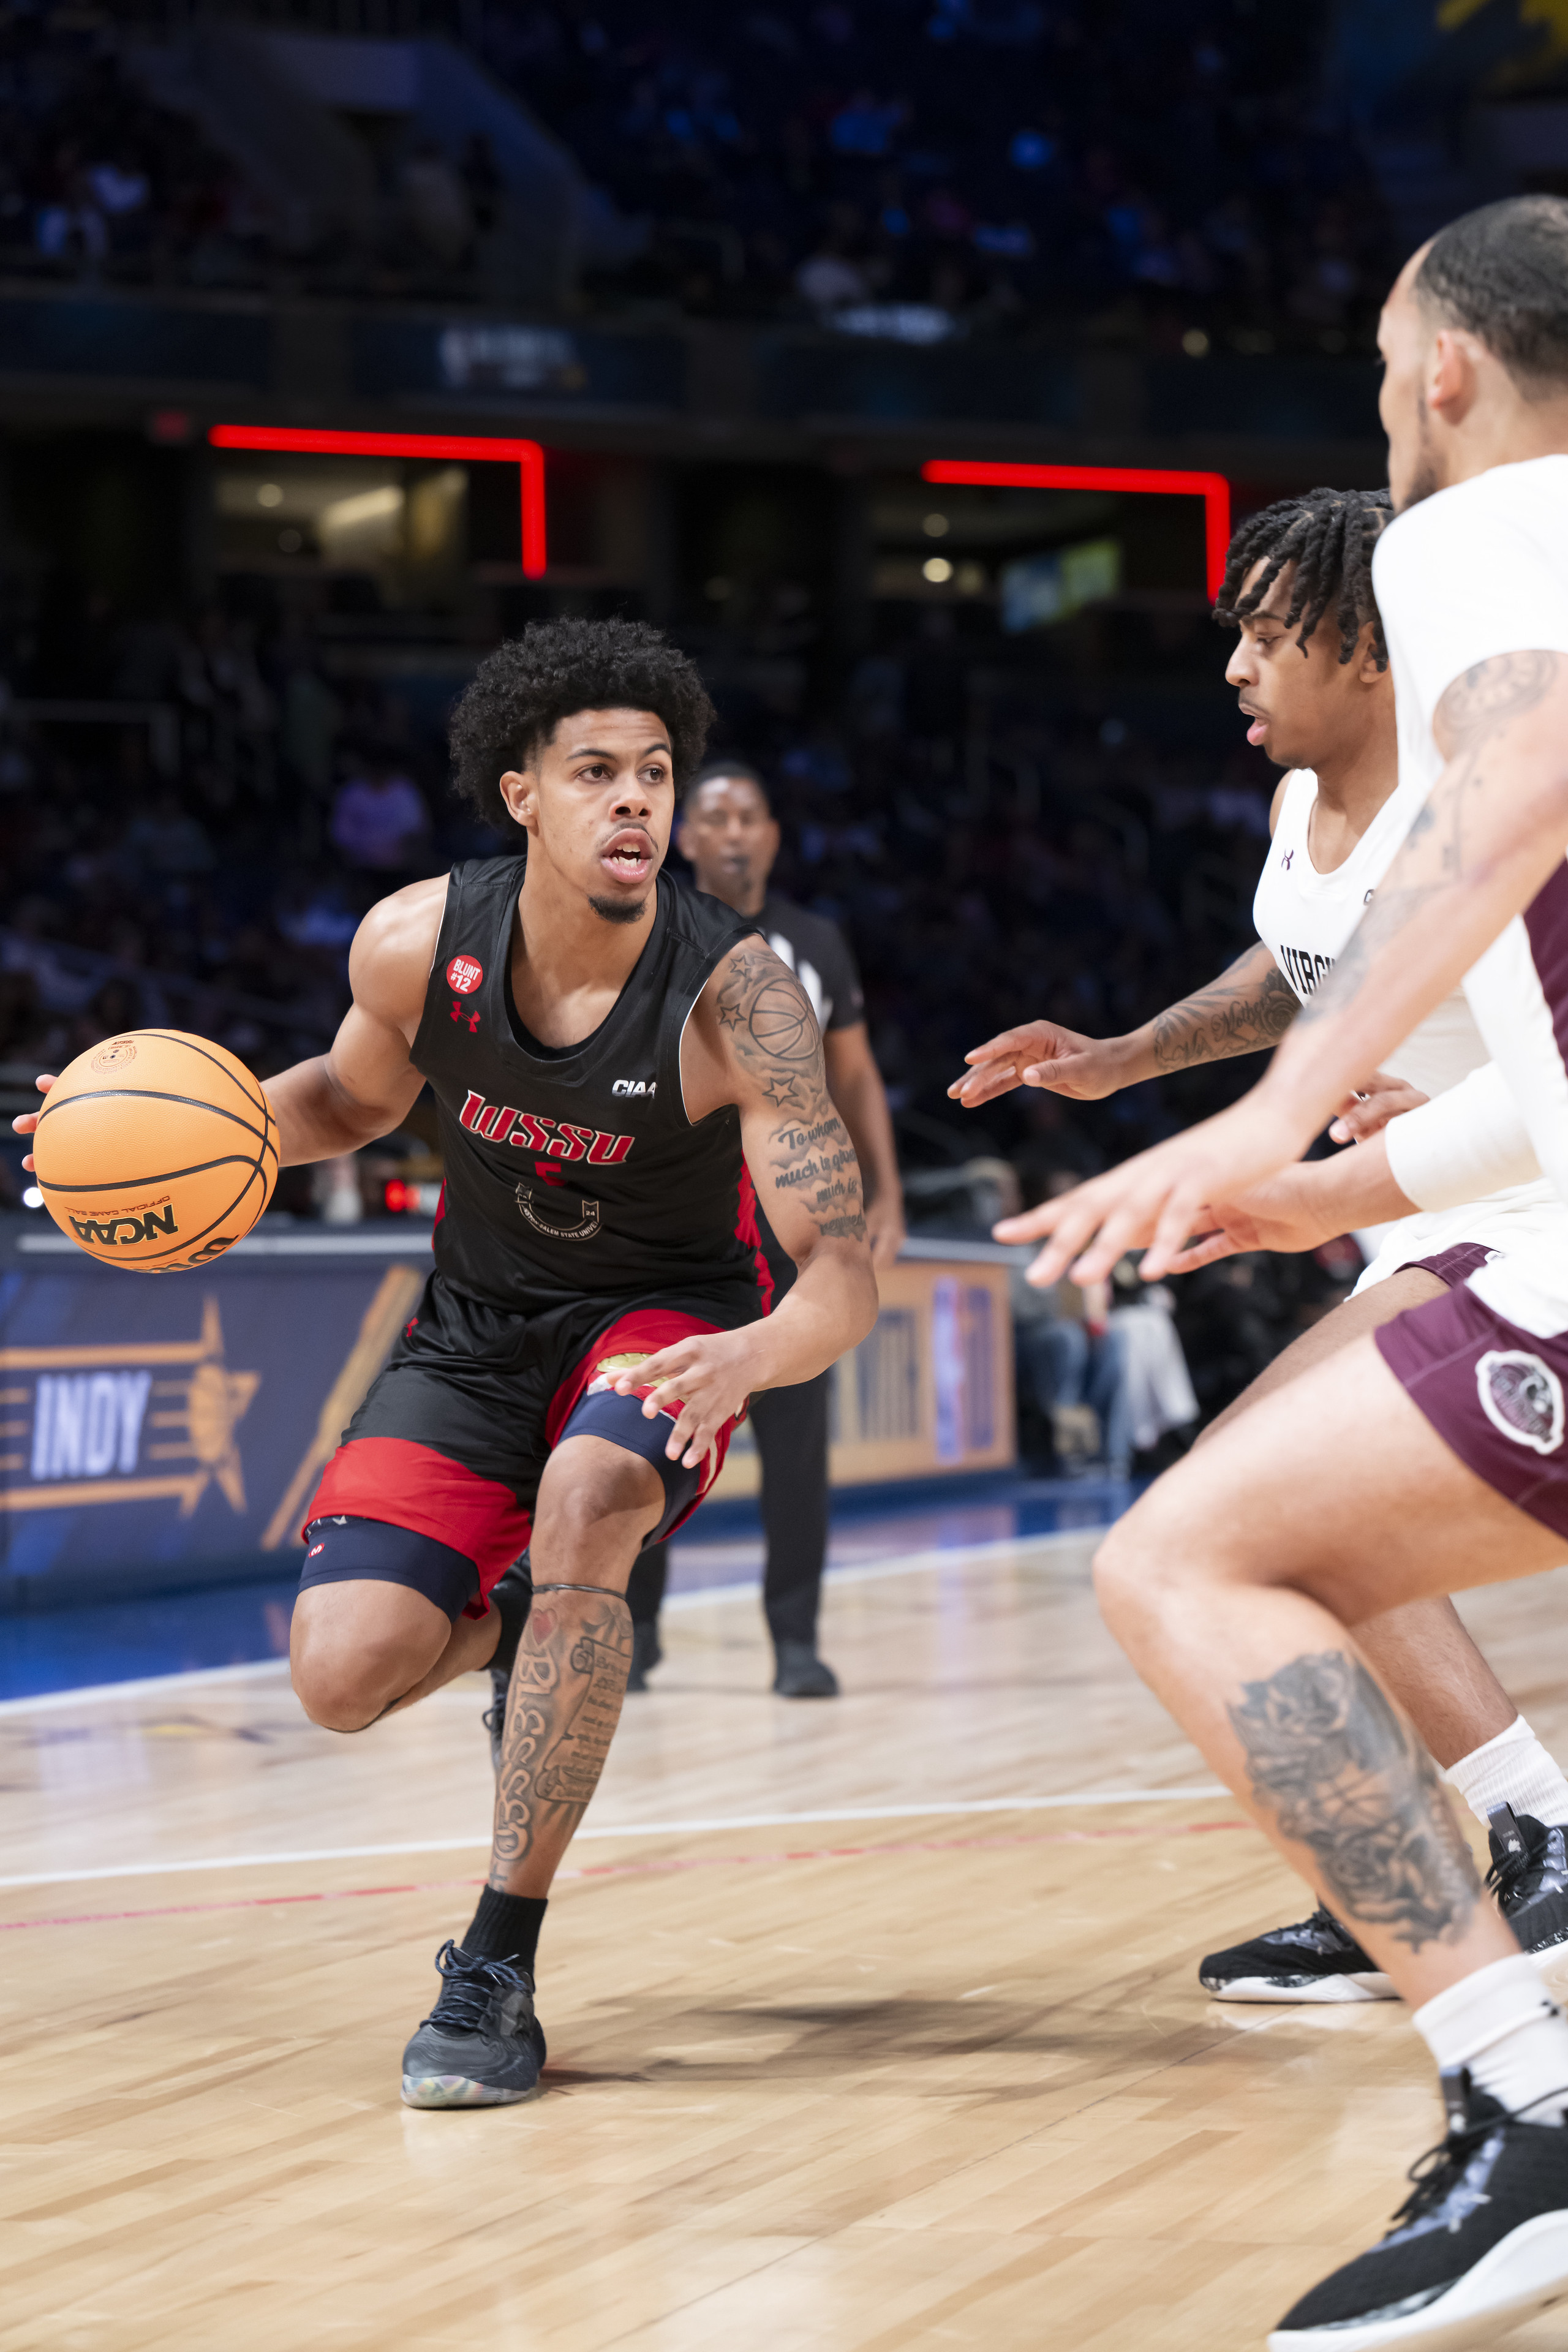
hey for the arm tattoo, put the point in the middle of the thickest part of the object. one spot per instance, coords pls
(1469, 723)
(766, 1020)
(1245, 1010)
(562, 1712)
(1331, 1759)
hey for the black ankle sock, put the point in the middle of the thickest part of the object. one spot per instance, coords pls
(506, 1928)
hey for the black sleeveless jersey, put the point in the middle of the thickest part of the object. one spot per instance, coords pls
(574, 1172)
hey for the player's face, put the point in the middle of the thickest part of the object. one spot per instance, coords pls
(597, 803)
(1405, 338)
(1297, 700)
(732, 838)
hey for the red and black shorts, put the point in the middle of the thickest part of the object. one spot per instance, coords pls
(435, 1483)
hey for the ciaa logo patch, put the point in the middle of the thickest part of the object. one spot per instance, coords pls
(1522, 1396)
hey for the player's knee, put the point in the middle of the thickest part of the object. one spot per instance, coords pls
(1140, 1570)
(579, 1508)
(345, 1688)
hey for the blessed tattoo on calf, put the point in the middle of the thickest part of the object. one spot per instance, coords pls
(1331, 1759)
(562, 1712)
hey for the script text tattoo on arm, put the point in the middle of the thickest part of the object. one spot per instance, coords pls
(565, 1703)
(1473, 717)
(1331, 1760)
(1245, 1010)
(766, 1015)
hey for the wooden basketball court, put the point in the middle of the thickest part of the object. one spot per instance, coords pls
(872, 2024)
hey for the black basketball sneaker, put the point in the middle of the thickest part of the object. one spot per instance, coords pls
(1314, 1961)
(481, 2045)
(1479, 2246)
(1528, 1875)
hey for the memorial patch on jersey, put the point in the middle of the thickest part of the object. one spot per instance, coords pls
(1522, 1396)
(464, 974)
(551, 1139)
(1304, 969)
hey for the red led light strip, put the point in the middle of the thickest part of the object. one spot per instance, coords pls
(1213, 489)
(305, 441)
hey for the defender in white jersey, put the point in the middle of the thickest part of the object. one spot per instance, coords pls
(1235, 1581)
(1321, 697)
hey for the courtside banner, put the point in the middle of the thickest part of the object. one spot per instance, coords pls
(170, 1433)
(164, 1433)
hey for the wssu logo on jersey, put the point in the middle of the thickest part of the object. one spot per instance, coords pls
(551, 1139)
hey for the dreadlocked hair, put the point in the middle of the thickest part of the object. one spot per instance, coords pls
(1328, 536)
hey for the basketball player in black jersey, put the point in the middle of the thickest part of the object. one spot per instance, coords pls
(731, 837)
(610, 1056)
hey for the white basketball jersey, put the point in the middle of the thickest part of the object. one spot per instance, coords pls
(1304, 918)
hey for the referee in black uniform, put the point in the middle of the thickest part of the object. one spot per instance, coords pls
(730, 835)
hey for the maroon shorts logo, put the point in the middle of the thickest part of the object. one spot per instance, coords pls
(464, 974)
(1522, 1396)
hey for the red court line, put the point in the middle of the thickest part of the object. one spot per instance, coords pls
(668, 1863)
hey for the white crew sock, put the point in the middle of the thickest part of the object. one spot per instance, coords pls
(1502, 2024)
(1512, 1769)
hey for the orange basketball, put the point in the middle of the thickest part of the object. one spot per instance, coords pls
(155, 1150)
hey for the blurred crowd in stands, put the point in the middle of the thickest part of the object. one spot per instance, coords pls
(1164, 168)
(998, 162)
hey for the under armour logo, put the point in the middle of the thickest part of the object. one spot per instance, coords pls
(1289, 854)
(473, 1019)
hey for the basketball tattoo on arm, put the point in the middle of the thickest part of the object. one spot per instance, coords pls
(1245, 1010)
(1331, 1760)
(766, 1020)
(564, 1703)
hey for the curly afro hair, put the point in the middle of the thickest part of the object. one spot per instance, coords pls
(521, 693)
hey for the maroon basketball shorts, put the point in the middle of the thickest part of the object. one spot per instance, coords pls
(1492, 1392)
(438, 1472)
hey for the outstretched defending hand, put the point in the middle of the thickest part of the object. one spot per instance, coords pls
(1158, 1200)
(1039, 1054)
(704, 1380)
(1368, 1111)
(29, 1122)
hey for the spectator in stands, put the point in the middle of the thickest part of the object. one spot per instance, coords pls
(380, 822)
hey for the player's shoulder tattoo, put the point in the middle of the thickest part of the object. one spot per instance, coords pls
(766, 1018)
(1485, 697)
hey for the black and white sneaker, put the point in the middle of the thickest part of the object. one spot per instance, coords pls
(1314, 1961)
(481, 2045)
(1528, 1875)
(1479, 2246)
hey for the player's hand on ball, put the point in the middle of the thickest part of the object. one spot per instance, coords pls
(1368, 1111)
(1157, 1201)
(704, 1380)
(28, 1123)
(1038, 1053)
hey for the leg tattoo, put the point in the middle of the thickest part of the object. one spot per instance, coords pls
(562, 1712)
(1329, 1755)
